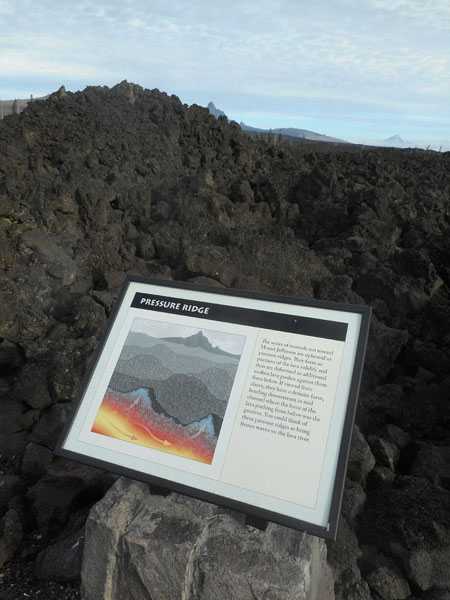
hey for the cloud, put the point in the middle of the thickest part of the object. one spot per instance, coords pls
(433, 15)
(376, 55)
(33, 63)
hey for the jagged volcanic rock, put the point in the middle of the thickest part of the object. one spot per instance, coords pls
(105, 182)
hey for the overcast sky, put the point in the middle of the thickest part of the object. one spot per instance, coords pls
(361, 70)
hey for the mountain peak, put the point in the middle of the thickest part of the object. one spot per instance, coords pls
(394, 139)
(216, 112)
(292, 132)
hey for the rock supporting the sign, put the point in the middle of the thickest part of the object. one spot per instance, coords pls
(153, 547)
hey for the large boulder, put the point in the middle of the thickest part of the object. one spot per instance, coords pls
(147, 546)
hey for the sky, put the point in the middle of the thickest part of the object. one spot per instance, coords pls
(359, 70)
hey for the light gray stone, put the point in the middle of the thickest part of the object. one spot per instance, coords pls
(387, 580)
(361, 460)
(145, 546)
(108, 520)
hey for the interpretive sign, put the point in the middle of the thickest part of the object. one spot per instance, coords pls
(238, 398)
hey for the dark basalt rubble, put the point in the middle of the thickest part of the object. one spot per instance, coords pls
(105, 182)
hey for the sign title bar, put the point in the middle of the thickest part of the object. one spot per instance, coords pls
(330, 330)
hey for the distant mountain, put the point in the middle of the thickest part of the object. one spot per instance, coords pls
(395, 139)
(216, 112)
(285, 131)
(294, 133)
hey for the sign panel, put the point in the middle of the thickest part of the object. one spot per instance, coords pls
(234, 397)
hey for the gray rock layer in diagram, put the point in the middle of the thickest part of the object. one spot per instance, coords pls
(186, 381)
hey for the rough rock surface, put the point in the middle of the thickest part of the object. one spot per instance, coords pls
(105, 182)
(152, 547)
(416, 514)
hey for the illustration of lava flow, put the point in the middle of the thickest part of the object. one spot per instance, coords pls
(169, 393)
(121, 418)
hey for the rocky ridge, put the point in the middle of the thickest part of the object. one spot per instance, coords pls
(105, 182)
